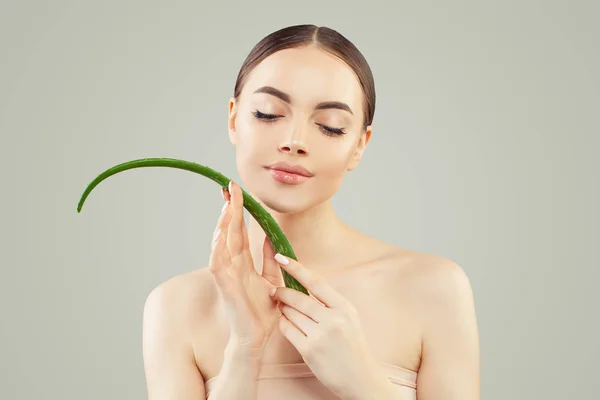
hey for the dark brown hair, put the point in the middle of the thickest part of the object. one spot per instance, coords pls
(327, 39)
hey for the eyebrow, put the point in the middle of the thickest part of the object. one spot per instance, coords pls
(286, 97)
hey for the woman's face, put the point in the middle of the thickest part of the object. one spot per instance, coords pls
(302, 107)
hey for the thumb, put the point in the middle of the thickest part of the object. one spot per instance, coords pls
(271, 268)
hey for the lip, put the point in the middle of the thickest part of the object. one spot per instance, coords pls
(293, 169)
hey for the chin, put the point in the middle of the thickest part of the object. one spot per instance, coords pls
(280, 198)
(284, 206)
(280, 201)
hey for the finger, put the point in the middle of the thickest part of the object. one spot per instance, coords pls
(313, 283)
(245, 239)
(223, 222)
(235, 238)
(306, 325)
(219, 256)
(302, 303)
(216, 265)
(292, 333)
(271, 270)
(225, 194)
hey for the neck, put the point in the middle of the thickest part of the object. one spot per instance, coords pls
(314, 234)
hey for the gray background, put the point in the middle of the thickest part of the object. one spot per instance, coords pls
(484, 151)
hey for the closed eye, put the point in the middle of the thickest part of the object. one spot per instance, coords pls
(332, 131)
(272, 117)
(264, 116)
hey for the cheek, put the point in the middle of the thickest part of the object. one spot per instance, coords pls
(251, 140)
(334, 158)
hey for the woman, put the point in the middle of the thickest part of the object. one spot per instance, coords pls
(380, 322)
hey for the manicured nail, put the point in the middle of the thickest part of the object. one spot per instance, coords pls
(272, 291)
(230, 187)
(217, 233)
(282, 259)
(224, 207)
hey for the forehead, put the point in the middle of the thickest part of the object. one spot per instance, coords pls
(309, 75)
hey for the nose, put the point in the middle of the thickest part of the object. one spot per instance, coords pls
(294, 143)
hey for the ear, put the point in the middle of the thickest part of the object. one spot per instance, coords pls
(231, 120)
(363, 141)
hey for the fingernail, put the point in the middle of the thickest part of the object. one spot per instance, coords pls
(282, 259)
(230, 187)
(224, 207)
(272, 292)
(216, 235)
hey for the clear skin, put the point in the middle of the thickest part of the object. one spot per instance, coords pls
(425, 297)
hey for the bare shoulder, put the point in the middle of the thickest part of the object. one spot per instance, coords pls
(445, 309)
(183, 293)
(444, 301)
(182, 300)
(433, 278)
(436, 280)
(175, 318)
(434, 284)
(434, 274)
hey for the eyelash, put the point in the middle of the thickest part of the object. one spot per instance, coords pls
(271, 118)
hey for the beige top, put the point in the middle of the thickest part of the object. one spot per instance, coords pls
(296, 381)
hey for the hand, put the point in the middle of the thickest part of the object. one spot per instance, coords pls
(328, 335)
(252, 314)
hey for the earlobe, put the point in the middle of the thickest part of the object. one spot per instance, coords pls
(360, 148)
(231, 120)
